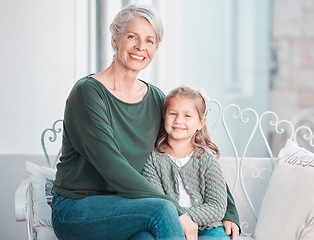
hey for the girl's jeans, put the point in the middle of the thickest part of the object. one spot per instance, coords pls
(115, 218)
(213, 234)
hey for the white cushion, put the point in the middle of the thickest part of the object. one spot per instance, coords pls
(42, 180)
(287, 209)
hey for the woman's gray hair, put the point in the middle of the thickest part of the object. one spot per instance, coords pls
(119, 23)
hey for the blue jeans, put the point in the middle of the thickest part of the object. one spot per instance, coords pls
(114, 217)
(217, 233)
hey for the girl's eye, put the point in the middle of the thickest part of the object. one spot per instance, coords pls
(172, 114)
(188, 116)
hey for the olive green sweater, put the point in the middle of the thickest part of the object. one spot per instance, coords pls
(106, 142)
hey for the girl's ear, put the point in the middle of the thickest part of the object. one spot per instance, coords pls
(203, 121)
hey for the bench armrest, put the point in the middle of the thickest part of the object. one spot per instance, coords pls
(21, 195)
(24, 206)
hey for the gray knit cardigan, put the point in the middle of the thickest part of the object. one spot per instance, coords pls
(203, 180)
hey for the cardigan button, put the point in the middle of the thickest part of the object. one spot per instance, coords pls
(195, 200)
(179, 169)
(186, 187)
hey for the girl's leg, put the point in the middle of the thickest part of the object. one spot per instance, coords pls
(217, 233)
(114, 217)
(142, 236)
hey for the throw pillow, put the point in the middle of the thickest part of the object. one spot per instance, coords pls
(42, 180)
(287, 209)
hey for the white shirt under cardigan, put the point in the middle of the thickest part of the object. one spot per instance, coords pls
(184, 198)
(202, 179)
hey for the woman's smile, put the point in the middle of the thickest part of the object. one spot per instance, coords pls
(136, 57)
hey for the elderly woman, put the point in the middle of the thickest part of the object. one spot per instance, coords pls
(111, 122)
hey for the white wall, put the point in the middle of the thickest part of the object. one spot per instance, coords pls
(37, 46)
(38, 65)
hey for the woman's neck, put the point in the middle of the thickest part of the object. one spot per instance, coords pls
(178, 149)
(117, 77)
(122, 84)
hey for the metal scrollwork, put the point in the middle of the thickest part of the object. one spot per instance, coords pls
(307, 136)
(219, 114)
(55, 131)
(240, 114)
(244, 227)
(278, 128)
(259, 173)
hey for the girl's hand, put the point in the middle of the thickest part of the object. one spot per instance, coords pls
(190, 229)
(231, 229)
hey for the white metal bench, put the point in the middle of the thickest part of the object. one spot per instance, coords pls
(247, 175)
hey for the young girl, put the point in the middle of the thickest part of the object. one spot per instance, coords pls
(184, 164)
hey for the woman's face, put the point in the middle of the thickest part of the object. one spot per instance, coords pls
(137, 45)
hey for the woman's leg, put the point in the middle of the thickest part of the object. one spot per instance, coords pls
(114, 217)
(217, 233)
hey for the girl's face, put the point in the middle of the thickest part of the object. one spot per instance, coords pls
(137, 46)
(182, 119)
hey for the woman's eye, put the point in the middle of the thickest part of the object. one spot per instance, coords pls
(151, 42)
(131, 37)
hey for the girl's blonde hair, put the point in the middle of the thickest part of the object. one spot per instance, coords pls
(201, 139)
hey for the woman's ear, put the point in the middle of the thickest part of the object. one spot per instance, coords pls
(114, 42)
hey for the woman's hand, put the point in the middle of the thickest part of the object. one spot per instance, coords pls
(231, 229)
(190, 229)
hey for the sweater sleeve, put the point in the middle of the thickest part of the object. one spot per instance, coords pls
(150, 172)
(231, 213)
(213, 209)
(92, 137)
